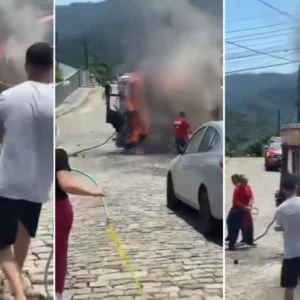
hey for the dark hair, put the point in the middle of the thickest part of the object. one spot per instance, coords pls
(40, 55)
(235, 177)
(243, 178)
(182, 114)
(289, 182)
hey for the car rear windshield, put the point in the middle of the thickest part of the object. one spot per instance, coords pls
(275, 145)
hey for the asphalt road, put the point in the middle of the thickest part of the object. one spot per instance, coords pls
(258, 272)
(171, 258)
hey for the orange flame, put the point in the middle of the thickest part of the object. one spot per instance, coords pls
(137, 107)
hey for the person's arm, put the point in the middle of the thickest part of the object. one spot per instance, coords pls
(279, 217)
(251, 197)
(190, 129)
(3, 108)
(67, 182)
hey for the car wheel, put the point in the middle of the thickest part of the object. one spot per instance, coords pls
(173, 202)
(207, 221)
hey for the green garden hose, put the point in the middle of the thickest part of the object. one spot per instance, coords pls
(48, 294)
(47, 269)
(114, 236)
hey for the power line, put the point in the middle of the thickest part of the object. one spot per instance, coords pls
(250, 62)
(264, 37)
(269, 54)
(278, 10)
(252, 18)
(280, 43)
(262, 33)
(258, 52)
(270, 50)
(261, 67)
(254, 28)
(252, 59)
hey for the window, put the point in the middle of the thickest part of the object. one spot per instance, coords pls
(208, 140)
(194, 142)
(215, 140)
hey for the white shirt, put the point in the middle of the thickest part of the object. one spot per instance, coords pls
(288, 217)
(26, 160)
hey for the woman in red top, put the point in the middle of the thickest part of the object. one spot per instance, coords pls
(235, 181)
(240, 214)
(247, 226)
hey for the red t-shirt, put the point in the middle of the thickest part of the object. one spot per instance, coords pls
(242, 195)
(182, 129)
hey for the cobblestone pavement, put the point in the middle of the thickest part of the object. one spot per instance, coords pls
(172, 260)
(258, 272)
(36, 262)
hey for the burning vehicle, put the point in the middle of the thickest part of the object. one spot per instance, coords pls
(130, 117)
(145, 109)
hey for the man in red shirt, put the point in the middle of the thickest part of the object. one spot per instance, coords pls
(240, 214)
(182, 131)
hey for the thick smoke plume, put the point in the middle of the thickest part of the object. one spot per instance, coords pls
(180, 53)
(20, 27)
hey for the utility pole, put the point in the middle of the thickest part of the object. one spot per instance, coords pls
(278, 122)
(86, 55)
(298, 97)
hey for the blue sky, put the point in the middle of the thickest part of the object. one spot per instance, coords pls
(64, 2)
(258, 27)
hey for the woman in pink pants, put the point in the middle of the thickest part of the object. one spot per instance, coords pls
(65, 184)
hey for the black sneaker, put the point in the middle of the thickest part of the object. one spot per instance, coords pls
(231, 248)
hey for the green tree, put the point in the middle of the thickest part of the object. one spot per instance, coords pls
(100, 71)
(59, 76)
(256, 148)
(232, 149)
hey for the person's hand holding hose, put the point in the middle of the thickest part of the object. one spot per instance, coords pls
(98, 192)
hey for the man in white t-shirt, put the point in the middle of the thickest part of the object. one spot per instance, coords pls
(26, 161)
(288, 217)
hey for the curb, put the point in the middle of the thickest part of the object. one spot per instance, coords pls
(66, 108)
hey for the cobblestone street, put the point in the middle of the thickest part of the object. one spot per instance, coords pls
(171, 259)
(257, 276)
(36, 262)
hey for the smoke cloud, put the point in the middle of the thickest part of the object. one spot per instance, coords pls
(180, 52)
(20, 28)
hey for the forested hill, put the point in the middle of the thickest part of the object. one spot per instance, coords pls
(252, 103)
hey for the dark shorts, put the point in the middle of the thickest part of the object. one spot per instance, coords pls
(14, 211)
(180, 145)
(290, 273)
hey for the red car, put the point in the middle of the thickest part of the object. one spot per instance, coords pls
(273, 157)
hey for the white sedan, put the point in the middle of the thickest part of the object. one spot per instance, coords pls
(196, 176)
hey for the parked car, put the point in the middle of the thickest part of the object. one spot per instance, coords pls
(196, 176)
(273, 156)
